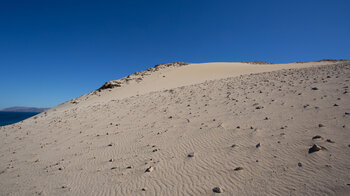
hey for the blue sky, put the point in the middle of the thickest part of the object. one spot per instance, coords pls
(53, 51)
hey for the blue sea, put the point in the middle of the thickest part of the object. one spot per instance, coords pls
(7, 118)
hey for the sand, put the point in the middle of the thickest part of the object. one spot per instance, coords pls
(197, 129)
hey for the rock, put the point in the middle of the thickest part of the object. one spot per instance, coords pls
(315, 148)
(149, 169)
(114, 168)
(143, 189)
(110, 144)
(217, 190)
(111, 160)
(111, 84)
(154, 150)
(316, 137)
(320, 125)
(190, 154)
(233, 145)
(300, 165)
(330, 141)
(314, 88)
(129, 167)
(238, 168)
(258, 145)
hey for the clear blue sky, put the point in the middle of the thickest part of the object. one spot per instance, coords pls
(53, 51)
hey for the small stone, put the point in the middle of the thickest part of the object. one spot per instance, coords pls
(314, 88)
(217, 190)
(143, 189)
(190, 154)
(300, 165)
(149, 169)
(155, 150)
(258, 145)
(111, 160)
(238, 127)
(238, 168)
(233, 145)
(129, 167)
(110, 144)
(114, 168)
(315, 148)
(330, 141)
(320, 125)
(316, 137)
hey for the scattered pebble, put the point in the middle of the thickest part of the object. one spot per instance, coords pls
(258, 145)
(149, 169)
(320, 125)
(114, 168)
(314, 88)
(300, 165)
(238, 168)
(315, 148)
(330, 141)
(217, 190)
(191, 154)
(316, 137)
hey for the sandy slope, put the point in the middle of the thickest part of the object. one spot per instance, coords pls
(250, 135)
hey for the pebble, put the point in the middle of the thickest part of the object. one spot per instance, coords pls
(315, 148)
(149, 169)
(300, 165)
(217, 190)
(238, 168)
(258, 145)
(316, 137)
(190, 154)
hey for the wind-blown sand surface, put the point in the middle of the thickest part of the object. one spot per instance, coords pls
(185, 129)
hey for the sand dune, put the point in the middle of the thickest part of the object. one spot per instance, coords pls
(191, 129)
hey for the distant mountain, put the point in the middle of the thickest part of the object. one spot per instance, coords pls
(23, 109)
